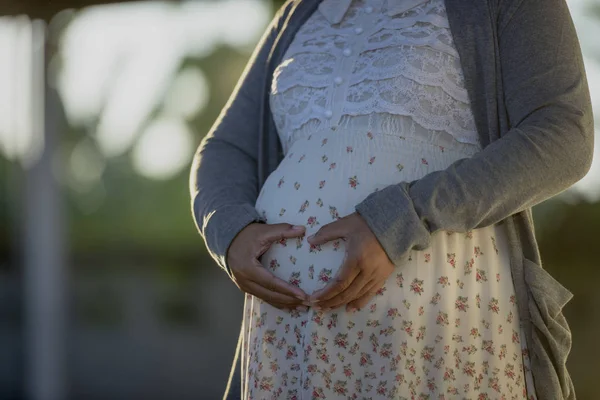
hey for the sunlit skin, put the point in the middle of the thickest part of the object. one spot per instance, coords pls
(365, 269)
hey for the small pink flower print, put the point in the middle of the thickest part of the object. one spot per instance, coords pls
(340, 387)
(456, 322)
(435, 298)
(324, 158)
(450, 259)
(301, 158)
(407, 327)
(461, 303)
(427, 257)
(321, 184)
(349, 149)
(400, 167)
(457, 338)
(502, 351)
(386, 350)
(475, 333)
(293, 260)
(353, 182)
(469, 368)
(314, 248)
(509, 371)
(274, 264)
(370, 135)
(478, 300)
(443, 280)
(365, 359)
(399, 279)
(318, 393)
(488, 345)
(406, 303)
(372, 308)
(477, 251)
(333, 212)
(298, 242)
(480, 275)
(296, 185)
(470, 349)
(449, 374)
(469, 266)
(295, 279)
(427, 353)
(281, 212)
(304, 206)
(325, 275)
(421, 310)
(269, 336)
(424, 161)
(332, 166)
(381, 389)
(421, 333)
(380, 292)
(348, 370)
(323, 356)
(387, 331)
(393, 312)
(440, 361)
(515, 336)
(442, 148)
(493, 305)
(417, 286)
(312, 221)
(341, 340)
(323, 142)
(319, 202)
(336, 245)
(509, 317)
(371, 160)
(442, 318)
(281, 182)
(469, 234)
(410, 365)
(459, 283)
(283, 242)
(266, 383)
(513, 299)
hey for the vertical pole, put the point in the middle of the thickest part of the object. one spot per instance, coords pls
(44, 240)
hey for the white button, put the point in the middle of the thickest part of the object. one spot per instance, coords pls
(358, 30)
(347, 52)
(338, 80)
(368, 9)
(328, 113)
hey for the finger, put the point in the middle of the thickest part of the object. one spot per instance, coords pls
(275, 232)
(366, 297)
(270, 296)
(264, 278)
(343, 279)
(331, 231)
(347, 295)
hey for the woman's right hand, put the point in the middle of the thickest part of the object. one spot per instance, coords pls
(249, 274)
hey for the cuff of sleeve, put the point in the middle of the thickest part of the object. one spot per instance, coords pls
(222, 226)
(390, 214)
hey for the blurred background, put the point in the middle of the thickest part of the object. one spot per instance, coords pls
(106, 289)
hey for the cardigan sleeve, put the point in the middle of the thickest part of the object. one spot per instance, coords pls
(223, 180)
(548, 147)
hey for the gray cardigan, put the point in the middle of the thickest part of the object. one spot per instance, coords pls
(528, 89)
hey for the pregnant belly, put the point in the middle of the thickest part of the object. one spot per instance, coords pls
(320, 180)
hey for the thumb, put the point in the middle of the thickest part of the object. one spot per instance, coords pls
(277, 232)
(327, 233)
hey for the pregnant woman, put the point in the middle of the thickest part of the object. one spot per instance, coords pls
(367, 94)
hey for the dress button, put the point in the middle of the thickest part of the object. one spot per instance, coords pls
(338, 80)
(347, 52)
(368, 9)
(358, 30)
(328, 113)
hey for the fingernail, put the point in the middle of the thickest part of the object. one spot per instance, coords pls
(351, 310)
(302, 308)
(311, 237)
(300, 297)
(297, 227)
(307, 303)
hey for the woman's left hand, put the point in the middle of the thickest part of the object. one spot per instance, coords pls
(365, 269)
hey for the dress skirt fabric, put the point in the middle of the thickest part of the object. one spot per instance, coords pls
(444, 326)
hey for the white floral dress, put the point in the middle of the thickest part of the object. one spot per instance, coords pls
(374, 99)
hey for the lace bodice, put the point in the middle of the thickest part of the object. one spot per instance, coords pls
(379, 69)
